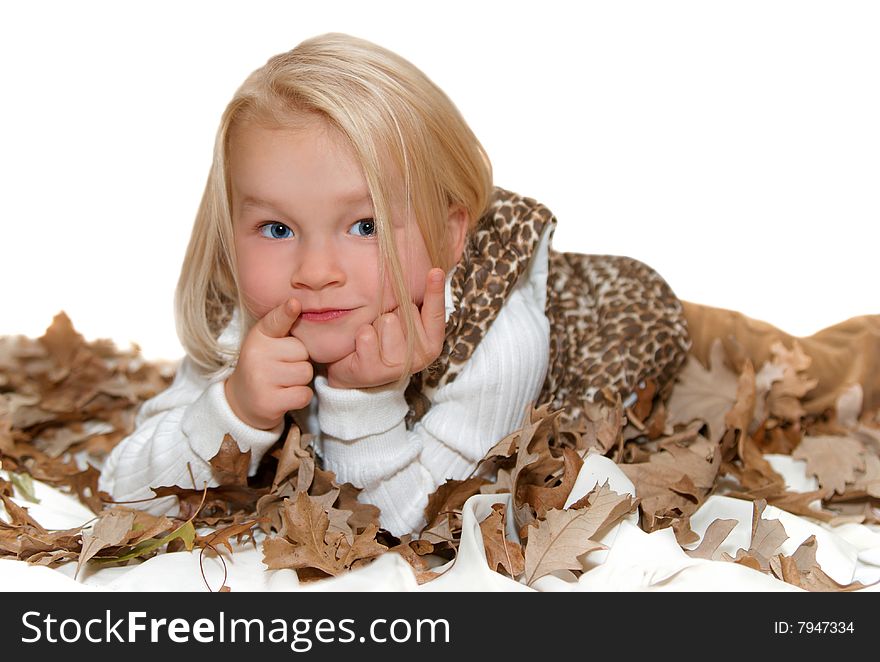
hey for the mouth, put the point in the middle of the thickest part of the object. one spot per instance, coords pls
(325, 315)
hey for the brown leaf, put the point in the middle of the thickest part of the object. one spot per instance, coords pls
(221, 536)
(704, 394)
(607, 505)
(305, 526)
(740, 416)
(364, 547)
(784, 397)
(289, 456)
(546, 498)
(868, 480)
(603, 428)
(801, 570)
(559, 542)
(801, 503)
(308, 544)
(767, 536)
(362, 514)
(441, 531)
(61, 340)
(675, 481)
(450, 497)
(146, 526)
(499, 550)
(19, 516)
(113, 526)
(756, 472)
(834, 461)
(716, 534)
(230, 466)
(523, 515)
(410, 553)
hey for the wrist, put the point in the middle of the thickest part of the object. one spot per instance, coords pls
(242, 414)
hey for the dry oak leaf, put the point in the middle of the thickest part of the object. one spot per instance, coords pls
(784, 398)
(113, 527)
(740, 416)
(547, 498)
(413, 553)
(674, 481)
(869, 480)
(602, 428)
(716, 533)
(785, 568)
(449, 498)
(230, 466)
(801, 569)
(499, 550)
(307, 543)
(222, 536)
(560, 541)
(755, 472)
(833, 460)
(522, 511)
(704, 394)
(767, 536)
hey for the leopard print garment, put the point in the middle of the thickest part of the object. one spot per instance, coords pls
(614, 321)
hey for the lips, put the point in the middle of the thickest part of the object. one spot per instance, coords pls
(325, 315)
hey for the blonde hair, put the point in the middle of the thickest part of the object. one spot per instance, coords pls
(399, 124)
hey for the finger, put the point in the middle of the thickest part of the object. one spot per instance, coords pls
(283, 375)
(291, 350)
(295, 397)
(391, 339)
(427, 350)
(278, 321)
(433, 312)
(295, 374)
(345, 373)
(366, 348)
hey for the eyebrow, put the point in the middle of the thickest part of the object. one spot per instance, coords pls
(351, 198)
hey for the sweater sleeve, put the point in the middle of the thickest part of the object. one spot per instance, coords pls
(364, 439)
(176, 434)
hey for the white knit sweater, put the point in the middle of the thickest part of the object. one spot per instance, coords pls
(360, 433)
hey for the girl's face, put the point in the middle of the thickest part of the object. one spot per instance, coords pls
(303, 227)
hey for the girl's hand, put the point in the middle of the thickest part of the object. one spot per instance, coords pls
(273, 370)
(364, 368)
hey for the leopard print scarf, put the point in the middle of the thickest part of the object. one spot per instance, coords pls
(614, 322)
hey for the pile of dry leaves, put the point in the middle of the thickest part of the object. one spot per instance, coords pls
(64, 400)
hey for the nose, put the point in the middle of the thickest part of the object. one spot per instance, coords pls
(317, 267)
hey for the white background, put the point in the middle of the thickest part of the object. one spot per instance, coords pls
(733, 146)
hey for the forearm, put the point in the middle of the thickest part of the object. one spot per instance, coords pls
(174, 446)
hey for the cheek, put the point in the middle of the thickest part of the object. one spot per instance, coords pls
(260, 284)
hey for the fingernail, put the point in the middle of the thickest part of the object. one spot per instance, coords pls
(436, 276)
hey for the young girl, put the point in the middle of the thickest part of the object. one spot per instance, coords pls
(351, 264)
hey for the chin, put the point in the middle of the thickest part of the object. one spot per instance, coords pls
(322, 353)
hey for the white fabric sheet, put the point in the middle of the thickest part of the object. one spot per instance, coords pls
(633, 561)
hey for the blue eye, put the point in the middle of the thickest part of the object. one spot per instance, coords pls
(276, 230)
(368, 225)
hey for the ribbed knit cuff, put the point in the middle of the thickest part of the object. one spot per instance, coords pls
(443, 462)
(351, 413)
(363, 434)
(210, 418)
(402, 499)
